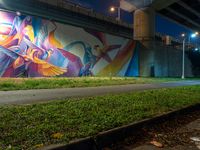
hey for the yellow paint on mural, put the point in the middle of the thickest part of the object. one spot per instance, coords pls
(53, 41)
(6, 41)
(29, 32)
(120, 60)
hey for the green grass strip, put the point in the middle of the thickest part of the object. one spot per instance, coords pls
(31, 126)
(7, 84)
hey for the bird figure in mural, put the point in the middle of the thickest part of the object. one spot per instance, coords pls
(102, 52)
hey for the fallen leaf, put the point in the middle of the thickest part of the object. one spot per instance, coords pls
(196, 139)
(57, 135)
(39, 145)
(157, 144)
(9, 147)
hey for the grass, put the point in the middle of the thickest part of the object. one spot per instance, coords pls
(36, 125)
(7, 84)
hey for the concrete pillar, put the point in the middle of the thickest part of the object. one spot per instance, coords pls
(144, 24)
(144, 31)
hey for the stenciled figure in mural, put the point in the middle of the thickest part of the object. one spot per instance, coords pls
(30, 47)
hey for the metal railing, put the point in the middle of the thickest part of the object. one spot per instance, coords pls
(65, 4)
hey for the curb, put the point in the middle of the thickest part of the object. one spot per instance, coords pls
(115, 135)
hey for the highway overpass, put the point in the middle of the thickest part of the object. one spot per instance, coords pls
(68, 13)
(184, 12)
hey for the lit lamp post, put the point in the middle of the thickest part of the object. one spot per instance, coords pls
(183, 59)
(113, 9)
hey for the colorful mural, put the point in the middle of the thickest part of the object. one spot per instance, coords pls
(34, 47)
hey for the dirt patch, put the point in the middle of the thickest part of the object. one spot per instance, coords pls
(177, 133)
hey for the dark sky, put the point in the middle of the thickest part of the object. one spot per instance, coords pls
(163, 25)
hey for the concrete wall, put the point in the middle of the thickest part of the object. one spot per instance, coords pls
(162, 61)
(34, 47)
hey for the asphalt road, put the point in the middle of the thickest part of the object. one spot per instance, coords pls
(41, 95)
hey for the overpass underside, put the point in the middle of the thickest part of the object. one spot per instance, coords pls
(185, 12)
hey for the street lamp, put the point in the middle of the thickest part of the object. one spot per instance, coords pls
(193, 35)
(183, 59)
(113, 9)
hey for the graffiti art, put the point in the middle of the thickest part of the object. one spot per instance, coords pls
(35, 47)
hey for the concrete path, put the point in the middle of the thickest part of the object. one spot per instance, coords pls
(41, 95)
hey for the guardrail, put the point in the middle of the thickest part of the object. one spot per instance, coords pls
(86, 11)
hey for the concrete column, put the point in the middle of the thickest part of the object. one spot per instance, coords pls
(144, 24)
(144, 31)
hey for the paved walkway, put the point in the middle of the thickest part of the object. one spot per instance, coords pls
(41, 95)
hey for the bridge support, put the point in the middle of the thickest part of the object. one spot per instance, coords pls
(144, 31)
(144, 24)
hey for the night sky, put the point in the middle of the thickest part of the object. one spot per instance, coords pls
(163, 25)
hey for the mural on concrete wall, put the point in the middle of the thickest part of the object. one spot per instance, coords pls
(34, 47)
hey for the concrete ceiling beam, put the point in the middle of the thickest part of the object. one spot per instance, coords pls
(132, 5)
(181, 3)
(183, 17)
(161, 4)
